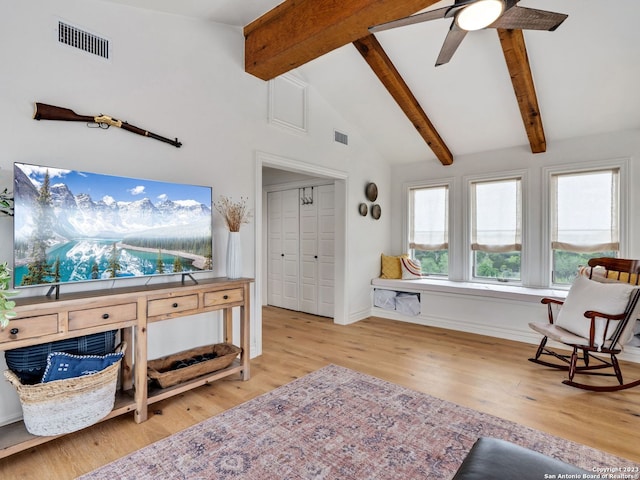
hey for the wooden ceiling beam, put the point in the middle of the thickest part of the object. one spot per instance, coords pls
(515, 54)
(378, 60)
(298, 31)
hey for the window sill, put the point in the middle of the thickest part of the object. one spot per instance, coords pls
(509, 292)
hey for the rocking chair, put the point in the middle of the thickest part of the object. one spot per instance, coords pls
(610, 285)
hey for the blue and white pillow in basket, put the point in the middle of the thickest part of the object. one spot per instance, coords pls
(61, 365)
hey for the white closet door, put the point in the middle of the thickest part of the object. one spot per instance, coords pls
(282, 233)
(275, 248)
(309, 255)
(290, 251)
(326, 250)
(301, 246)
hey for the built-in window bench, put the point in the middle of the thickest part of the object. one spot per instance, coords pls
(502, 311)
(513, 292)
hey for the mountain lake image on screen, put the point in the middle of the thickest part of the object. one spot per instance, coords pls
(73, 226)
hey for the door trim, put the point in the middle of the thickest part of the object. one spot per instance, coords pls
(264, 159)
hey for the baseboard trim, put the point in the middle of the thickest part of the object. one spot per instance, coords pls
(631, 354)
(357, 316)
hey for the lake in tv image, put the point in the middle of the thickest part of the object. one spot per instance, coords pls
(73, 226)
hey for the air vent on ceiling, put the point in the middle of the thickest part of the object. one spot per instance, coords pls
(341, 137)
(83, 40)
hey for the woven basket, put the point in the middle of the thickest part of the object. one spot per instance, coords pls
(160, 368)
(65, 406)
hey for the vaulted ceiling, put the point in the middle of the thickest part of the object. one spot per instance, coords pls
(502, 88)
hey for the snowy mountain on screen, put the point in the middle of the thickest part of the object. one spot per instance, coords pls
(80, 216)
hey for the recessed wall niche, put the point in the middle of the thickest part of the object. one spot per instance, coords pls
(288, 104)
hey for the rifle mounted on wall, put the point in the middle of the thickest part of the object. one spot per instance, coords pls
(51, 112)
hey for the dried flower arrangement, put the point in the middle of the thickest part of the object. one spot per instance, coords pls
(235, 214)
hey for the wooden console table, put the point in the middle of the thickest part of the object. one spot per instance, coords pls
(130, 310)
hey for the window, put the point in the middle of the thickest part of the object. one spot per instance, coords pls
(496, 229)
(429, 231)
(585, 217)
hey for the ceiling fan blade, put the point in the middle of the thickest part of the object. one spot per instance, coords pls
(451, 44)
(421, 17)
(417, 18)
(523, 18)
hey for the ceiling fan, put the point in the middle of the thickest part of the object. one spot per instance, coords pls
(469, 15)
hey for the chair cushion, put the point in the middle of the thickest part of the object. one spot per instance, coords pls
(585, 294)
(494, 459)
(600, 274)
(558, 334)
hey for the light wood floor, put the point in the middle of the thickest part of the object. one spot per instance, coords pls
(483, 373)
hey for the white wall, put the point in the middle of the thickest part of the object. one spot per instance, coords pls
(177, 77)
(508, 318)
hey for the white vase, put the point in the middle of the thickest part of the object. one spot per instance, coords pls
(234, 256)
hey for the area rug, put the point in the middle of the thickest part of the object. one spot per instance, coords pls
(337, 423)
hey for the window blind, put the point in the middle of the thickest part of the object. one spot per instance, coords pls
(585, 211)
(429, 218)
(496, 217)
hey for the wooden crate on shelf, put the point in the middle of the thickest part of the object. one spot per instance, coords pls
(163, 370)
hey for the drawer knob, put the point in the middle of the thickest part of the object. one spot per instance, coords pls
(105, 316)
(175, 305)
(14, 331)
(226, 297)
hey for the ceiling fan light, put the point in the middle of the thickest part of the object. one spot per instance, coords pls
(479, 15)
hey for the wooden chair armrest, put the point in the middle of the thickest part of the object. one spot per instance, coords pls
(549, 302)
(608, 316)
(592, 315)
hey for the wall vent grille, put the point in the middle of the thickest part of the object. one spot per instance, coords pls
(83, 40)
(341, 137)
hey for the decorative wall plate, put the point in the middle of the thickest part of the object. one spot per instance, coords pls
(363, 209)
(371, 192)
(376, 211)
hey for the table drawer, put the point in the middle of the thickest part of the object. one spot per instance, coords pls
(167, 306)
(92, 317)
(30, 327)
(223, 297)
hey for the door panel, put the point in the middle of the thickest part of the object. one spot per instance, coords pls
(291, 258)
(326, 250)
(274, 248)
(301, 249)
(309, 256)
(282, 238)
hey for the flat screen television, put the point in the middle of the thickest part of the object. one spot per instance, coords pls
(74, 226)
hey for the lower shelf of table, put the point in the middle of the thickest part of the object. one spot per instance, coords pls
(15, 438)
(157, 394)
